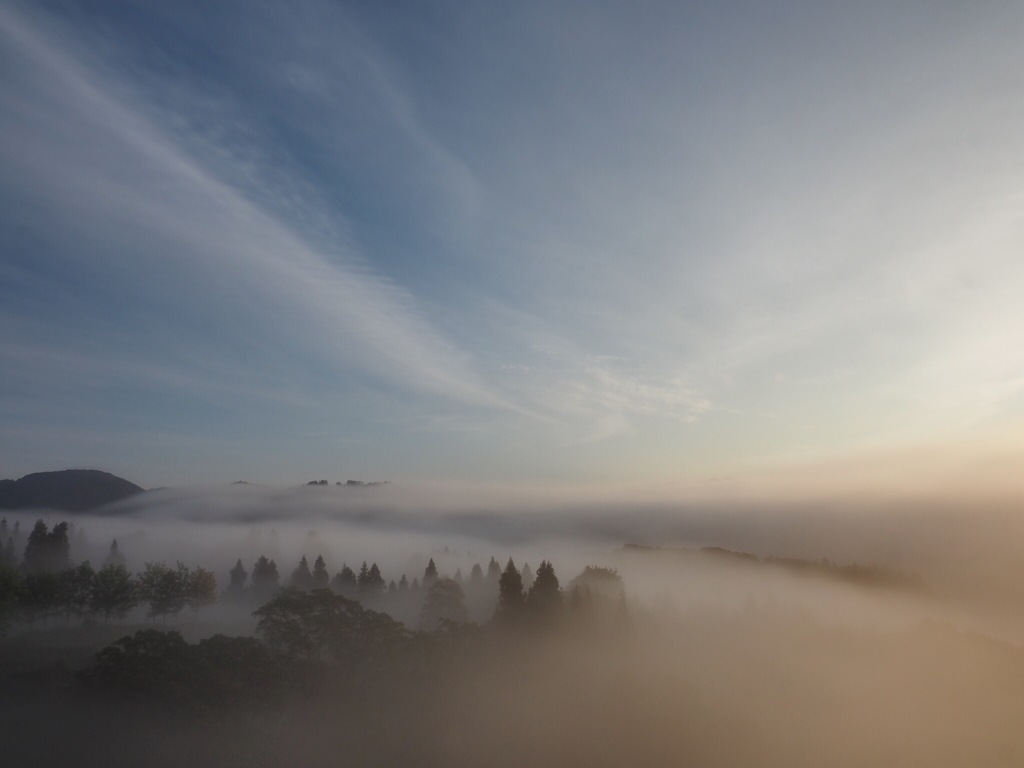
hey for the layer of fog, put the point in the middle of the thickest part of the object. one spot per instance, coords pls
(967, 556)
(720, 659)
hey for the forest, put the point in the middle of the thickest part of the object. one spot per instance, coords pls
(505, 664)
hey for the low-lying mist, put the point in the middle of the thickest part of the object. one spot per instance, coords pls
(962, 551)
(830, 633)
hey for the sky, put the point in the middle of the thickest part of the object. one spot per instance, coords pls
(677, 249)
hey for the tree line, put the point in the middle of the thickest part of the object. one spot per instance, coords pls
(46, 586)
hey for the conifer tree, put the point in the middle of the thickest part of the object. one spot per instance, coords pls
(114, 556)
(301, 579)
(544, 600)
(429, 574)
(36, 558)
(59, 548)
(493, 570)
(373, 585)
(345, 582)
(320, 576)
(510, 593)
(528, 576)
(47, 550)
(445, 601)
(265, 578)
(238, 578)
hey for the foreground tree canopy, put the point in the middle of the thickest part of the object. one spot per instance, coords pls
(308, 624)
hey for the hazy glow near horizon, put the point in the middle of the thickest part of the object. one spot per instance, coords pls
(681, 248)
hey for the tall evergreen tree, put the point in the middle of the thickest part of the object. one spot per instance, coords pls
(429, 574)
(265, 574)
(238, 577)
(320, 576)
(345, 582)
(47, 550)
(36, 557)
(373, 585)
(301, 577)
(59, 548)
(114, 556)
(445, 601)
(493, 571)
(376, 580)
(510, 593)
(528, 576)
(265, 578)
(544, 600)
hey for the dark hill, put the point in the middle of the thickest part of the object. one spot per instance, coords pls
(69, 490)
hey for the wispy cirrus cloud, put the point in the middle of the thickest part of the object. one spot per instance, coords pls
(137, 189)
(465, 238)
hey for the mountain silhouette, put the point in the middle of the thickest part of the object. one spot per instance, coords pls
(68, 490)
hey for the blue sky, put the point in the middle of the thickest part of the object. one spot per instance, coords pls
(576, 246)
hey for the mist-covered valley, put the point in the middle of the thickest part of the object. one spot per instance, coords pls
(657, 635)
(678, 348)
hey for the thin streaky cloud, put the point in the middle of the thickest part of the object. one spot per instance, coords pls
(528, 246)
(369, 309)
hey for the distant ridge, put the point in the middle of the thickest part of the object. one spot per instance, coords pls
(68, 490)
(869, 576)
